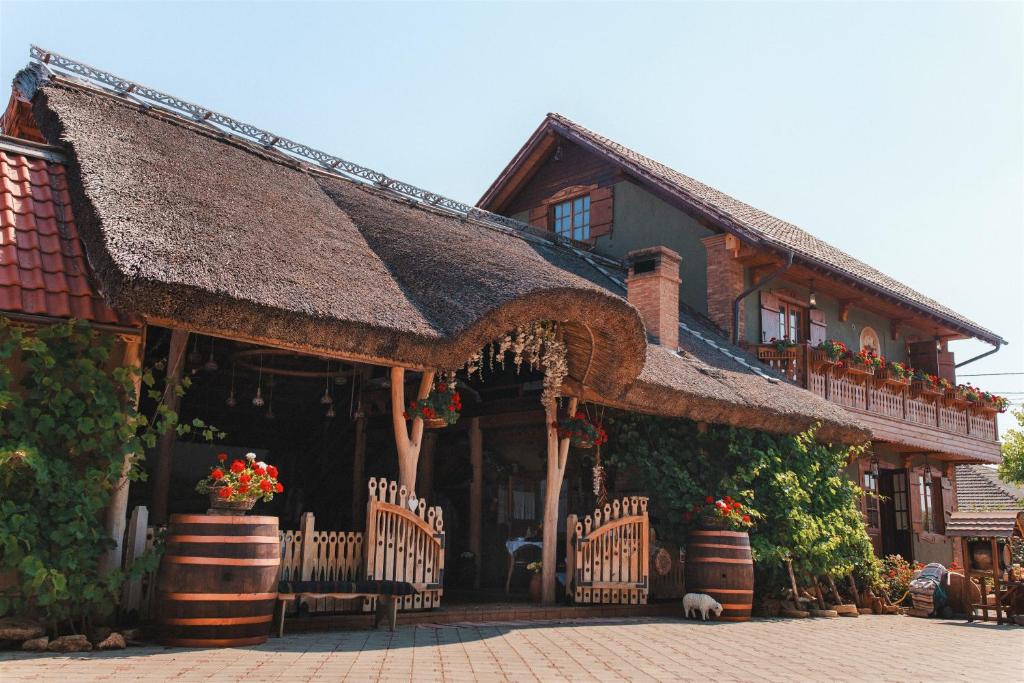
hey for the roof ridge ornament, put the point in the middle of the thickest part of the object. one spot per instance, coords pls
(45, 60)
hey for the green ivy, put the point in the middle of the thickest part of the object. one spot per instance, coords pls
(67, 423)
(793, 487)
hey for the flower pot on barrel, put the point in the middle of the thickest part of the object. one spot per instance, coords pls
(217, 582)
(718, 560)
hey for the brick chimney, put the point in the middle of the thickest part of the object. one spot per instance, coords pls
(653, 289)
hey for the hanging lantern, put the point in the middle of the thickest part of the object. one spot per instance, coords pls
(195, 358)
(330, 411)
(257, 400)
(926, 471)
(211, 362)
(326, 399)
(232, 401)
(873, 464)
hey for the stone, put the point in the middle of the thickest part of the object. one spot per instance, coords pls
(36, 644)
(78, 643)
(824, 613)
(115, 641)
(99, 633)
(15, 628)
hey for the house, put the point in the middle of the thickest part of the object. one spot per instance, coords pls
(777, 290)
(320, 289)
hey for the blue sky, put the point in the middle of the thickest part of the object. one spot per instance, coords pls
(894, 131)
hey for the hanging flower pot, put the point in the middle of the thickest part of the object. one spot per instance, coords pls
(440, 408)
(581, 432)
(235, 488)
(827, 355)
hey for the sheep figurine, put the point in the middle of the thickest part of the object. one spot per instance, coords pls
(699, 602)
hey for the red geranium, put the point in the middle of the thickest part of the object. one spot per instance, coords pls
(278, 488)
(237, 466)
(217, 473)
(272, 471)
(225, 492)
(265, 485)
(243, 488)
(222, 457)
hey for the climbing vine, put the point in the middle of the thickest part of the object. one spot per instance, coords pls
(793, 487)
(67, 423)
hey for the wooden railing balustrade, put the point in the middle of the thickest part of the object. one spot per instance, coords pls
(891, 401)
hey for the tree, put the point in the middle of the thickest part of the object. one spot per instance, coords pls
(1012, 467)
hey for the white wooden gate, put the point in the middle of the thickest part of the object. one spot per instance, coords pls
(607, 554)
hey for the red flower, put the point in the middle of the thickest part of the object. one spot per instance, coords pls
(259, 470)
(224, 492)
(746, 519)
(278, 488)
(442, 387)
(266, 485)
(736, 505)
(222, 457)
(709, 499)
(244, 478)
(237, 466)
(243, 488)
(217, 473)
(272, 471)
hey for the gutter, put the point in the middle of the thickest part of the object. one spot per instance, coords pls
(738, 300)
(998, 346)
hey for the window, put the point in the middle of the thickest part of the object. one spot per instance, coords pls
(572, 218)
(900, 503)
(871, 501)
(925, 488)
(791, 322)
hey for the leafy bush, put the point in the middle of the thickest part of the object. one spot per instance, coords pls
(792, 487)
(68, 423)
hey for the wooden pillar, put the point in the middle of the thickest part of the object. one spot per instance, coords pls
(425, 469)
(359, 474)
(165, 448)
(407, 441)
(117, 509)
(558, 453)
(476, 492)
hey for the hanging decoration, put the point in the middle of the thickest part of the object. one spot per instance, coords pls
(194, 357)
(257, 400)
(327, 399)
(441, 406)
(538, 347)
(232, 401)
(211, 362)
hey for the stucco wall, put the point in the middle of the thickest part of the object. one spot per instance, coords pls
(642, 220)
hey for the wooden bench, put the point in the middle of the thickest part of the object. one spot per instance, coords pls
(386, 593)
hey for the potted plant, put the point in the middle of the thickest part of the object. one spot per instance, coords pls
(863, 364)
(925, 385)
(235, 488)
(581, 432)
(893, 373)
(440, 408)
(784, 346)
(988, 403)
(722, 513)
(536, 582)
(827, 354)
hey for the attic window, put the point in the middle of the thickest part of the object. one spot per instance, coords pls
(572, 218)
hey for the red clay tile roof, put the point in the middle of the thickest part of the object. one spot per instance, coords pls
(748, 221)
(42, 268)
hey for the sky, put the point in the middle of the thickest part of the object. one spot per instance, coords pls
(895, 131)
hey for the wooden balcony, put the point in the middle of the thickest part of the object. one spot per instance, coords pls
(893, 412)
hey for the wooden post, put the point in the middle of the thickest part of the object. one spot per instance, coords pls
(476, 492)
(792, 584)
(407, 441)
(165, 449)
(117, 508)
(558, 452)
(425, 470)
(359, 474)
(855, 592)
(131, 592)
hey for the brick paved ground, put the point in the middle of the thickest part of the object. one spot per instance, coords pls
(866, 648)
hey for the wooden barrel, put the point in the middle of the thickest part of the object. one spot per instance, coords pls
(718, 563)
(217, 584)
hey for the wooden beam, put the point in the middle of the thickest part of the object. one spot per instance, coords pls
(165, 448)
(476, 492)
(116, 517)
(558, 451)
(407, 441)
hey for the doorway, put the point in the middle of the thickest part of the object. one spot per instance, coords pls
(894, 509)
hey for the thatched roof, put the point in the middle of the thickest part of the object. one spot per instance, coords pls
(189, 227)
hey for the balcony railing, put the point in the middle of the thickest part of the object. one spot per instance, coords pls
(863, 392)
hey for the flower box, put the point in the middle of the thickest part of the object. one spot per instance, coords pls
(886, 377)
(858, 373)
(820, 361)
(983, 407)
(920, 388)
(953, 397)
